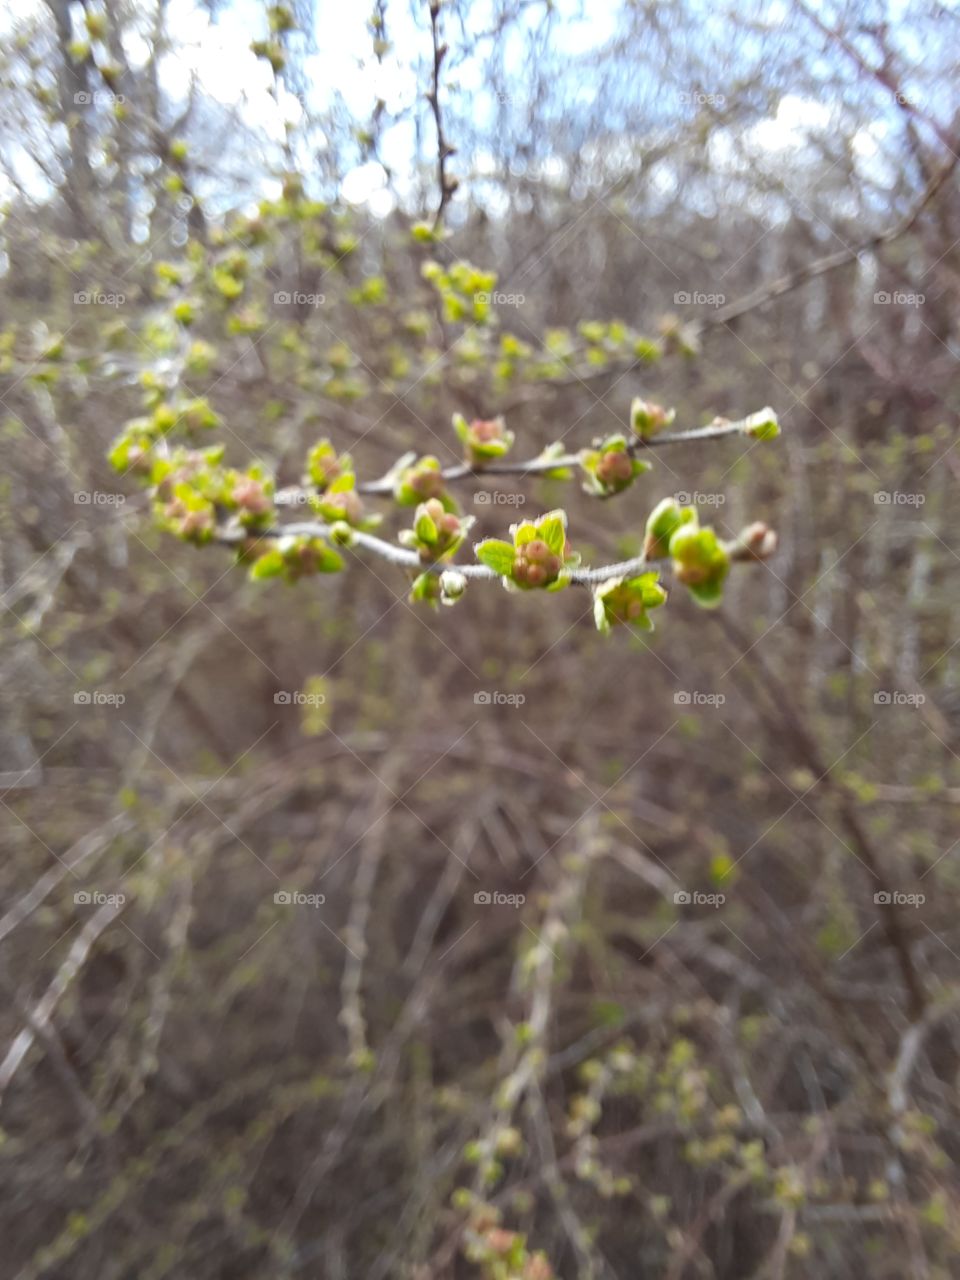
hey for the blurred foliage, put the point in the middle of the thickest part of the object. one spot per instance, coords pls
(341, 937)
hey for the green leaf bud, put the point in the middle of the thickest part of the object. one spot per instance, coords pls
(663, 521)
(648, 418)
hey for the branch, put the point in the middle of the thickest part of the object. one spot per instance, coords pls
(448, 185)
(40, 1016)
(717, 429)
(819, 267)
(410, 559)
(234, 534)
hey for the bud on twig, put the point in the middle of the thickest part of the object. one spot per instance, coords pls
(756, 542)
(647, 418)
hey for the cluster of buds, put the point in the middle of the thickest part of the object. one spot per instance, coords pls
(191, 489)
(535, 565)
(436, 533)
(196, 415)
(626, 600)
(482, 439)
(539, 556)
(464, 290)
(648, 419)
(700, 560)
(189, 516)
(503, 1254)
(341, 504)
(293, 557)
(416, 480)
(165, 419)
(324, 465)
(609, 467)
(132, 451)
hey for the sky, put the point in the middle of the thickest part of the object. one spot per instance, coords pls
(216, 50)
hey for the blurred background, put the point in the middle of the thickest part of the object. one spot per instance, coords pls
(340, 937)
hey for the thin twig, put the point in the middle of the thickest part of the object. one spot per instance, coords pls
(448, 185)
(411, 560)
(793, 280)
(716, 430)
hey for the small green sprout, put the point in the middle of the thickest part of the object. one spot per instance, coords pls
(483, 440)
(626, 600)
(437, 533)
(648, 419)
